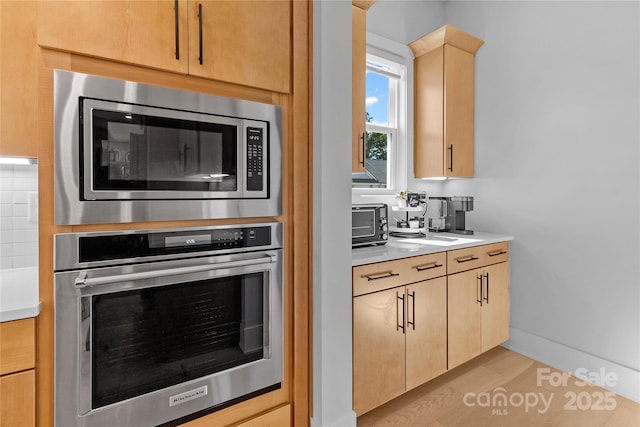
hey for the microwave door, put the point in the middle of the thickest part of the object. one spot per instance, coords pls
(137, 153)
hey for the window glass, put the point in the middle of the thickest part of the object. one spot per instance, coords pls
(383, 78)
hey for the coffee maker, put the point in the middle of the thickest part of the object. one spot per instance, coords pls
(448, 214)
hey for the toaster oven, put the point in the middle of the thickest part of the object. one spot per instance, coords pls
(369, 224)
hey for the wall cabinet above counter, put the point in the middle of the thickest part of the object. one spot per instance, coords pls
(211, 39)
(18, 80)
(444, 103)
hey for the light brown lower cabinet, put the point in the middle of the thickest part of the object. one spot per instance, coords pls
(399, 341)
(18, 399)
(478, 311)
(18, 379)
(415, 318)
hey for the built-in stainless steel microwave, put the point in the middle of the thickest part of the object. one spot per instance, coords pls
(127, 152)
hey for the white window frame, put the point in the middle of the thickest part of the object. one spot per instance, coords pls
(397, 167)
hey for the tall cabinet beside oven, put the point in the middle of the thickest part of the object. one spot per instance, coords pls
(206, 47)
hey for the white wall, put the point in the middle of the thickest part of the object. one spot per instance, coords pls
(557, 166)
(404, 21)
(332, 370)
(331, 207)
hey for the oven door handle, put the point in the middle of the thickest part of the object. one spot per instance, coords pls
(82, 279)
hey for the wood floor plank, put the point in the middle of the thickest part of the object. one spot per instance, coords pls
(504, 388)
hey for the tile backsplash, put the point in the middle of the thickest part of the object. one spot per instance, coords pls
(18, 216)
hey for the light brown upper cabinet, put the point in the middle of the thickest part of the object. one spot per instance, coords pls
(444, 103)
(148, 33)
(358, 72)
(18, 79)
(243, 42)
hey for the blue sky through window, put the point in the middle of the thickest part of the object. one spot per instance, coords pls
(377, 97)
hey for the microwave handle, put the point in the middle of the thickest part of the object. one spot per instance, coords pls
(82, 279)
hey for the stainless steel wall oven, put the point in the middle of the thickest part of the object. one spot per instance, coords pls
(152, 326)
(126, 152)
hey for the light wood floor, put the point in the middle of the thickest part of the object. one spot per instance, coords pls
(465, 397)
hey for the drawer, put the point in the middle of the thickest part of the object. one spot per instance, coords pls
(17, 345)
(425, 267)
(476, 256)
(376, 277)
(390, 274)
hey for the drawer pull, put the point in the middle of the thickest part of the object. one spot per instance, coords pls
(466, 259)
(378, 276)
(496, 253)
(429, 266)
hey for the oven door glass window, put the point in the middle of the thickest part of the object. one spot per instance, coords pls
(136, 152)
(363, 223)
(148, 339)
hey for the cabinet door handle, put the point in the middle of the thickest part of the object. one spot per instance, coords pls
(486, 298)
(479, 299)
(383, 275)
(496, 253)
(450, 157)
(364, 153)
(429, 266)
(398, 324)
(200, 59)
(466, 259)
(412, 295)
(177, 28)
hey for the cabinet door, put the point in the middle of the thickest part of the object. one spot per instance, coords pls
(18, 79)
(428, 94)
(17, 345)
(148, 33)
(495, 307)
(17, 399)
(426, 342)
(458, 111)
(378, 349)
(358, 75)
(243, 42)
(463, 318)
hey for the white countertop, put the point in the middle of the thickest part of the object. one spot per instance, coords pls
(397, 248)
(19, 296)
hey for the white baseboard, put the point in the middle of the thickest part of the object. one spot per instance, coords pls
(347, 420)
(567, 359)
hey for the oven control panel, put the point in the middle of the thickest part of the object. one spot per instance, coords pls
(157, 243)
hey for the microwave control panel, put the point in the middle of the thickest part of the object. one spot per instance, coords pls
(255, 167)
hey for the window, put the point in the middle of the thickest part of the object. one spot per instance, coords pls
(385, 85)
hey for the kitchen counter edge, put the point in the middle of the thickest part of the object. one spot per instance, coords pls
(398, 248)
